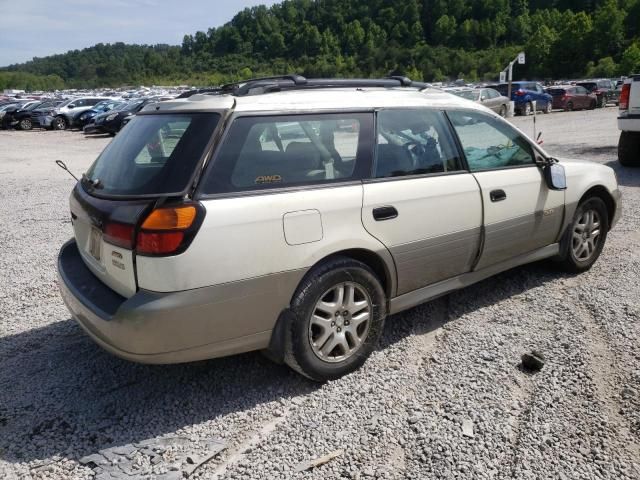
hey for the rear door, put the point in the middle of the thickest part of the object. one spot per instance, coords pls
(521, 213)
(421, 203)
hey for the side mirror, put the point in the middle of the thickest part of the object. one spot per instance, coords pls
(555, 176)
(483, 98)
(70, 106)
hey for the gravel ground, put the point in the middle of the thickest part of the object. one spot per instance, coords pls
(442, 397)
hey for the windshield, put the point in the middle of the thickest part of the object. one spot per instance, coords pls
(468, 94)
(154, 155)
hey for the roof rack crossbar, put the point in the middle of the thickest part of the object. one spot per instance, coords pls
(257, 86)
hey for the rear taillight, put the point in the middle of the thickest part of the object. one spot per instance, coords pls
(624, 96)
(520, 93)
(168, 230)
(119, 234)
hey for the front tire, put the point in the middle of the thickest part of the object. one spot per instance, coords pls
(526, 109)
(585, 237)
(503, 111)
(338, 316)
(59, 123)
(629, 149)
(548, 108)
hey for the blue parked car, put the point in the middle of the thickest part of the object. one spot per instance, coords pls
(82, 118)
(524, 93)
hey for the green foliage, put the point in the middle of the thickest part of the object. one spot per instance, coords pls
(430, 39)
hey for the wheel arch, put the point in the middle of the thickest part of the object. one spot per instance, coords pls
(380, 262)
(603, 193)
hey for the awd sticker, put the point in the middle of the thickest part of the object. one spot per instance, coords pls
(268, 179)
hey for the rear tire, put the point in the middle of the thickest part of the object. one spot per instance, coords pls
(503, 111)
(593, 105)
(585, 237)
(548, 108)
(569, 107)
(601, 102)
(323, 344)
(629, 149)
(59, 123)
(527, 109)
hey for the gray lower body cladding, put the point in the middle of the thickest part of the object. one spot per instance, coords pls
(510, 238)
(184, 326)
(428, 261)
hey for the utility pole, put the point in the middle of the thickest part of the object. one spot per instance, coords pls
(520, 59)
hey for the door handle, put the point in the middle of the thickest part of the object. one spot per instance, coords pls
(497, 195)
(384, 213)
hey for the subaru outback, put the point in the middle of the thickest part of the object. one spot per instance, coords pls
(293, 215)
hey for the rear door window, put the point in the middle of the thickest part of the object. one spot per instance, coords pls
(413, 142)
(155, 155)
(291, 150)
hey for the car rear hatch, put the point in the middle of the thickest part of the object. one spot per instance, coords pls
(132, 199)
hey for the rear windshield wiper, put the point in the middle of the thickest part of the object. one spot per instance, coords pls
(92, 183)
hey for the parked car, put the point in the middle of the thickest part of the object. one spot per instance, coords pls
(523, 94)
(81, 119)
(111, 121)
(603, 89)
(61, 117)
(10, 107)
(197, 237)
(23, 118)
(572, 97)
(488, 97)
(8, 117)
(629, 123)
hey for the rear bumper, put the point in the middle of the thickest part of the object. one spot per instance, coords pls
(152, 327)
(630, 123)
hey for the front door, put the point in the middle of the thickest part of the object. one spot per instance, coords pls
(420, 203)
(521, 213)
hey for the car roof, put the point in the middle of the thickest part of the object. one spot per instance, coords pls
(318, 99)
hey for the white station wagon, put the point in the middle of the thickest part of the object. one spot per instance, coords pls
(292, 215)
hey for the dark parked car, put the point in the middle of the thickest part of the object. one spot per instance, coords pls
(523, 94)
(605, 90)
(111, 122)
(9, 113)
(488, 97)
(572, 97)
(81, 119)
(24, 118)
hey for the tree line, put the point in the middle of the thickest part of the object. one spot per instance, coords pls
(431, 40)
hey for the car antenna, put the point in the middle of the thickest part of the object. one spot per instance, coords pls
(62, 165)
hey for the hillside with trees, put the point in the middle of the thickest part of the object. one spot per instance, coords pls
(431, 40)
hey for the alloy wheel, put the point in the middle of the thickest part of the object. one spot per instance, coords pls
(586, 235)
(340, 322)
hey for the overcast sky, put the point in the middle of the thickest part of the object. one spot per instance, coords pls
(37, 28)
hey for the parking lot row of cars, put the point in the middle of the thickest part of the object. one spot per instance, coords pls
(90, 114)
(527, 96)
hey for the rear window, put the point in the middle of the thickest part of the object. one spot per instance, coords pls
(291, 150)
(468, 94)
(154, 154)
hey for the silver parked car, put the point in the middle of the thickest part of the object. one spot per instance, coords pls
(490, 98)
(293, 215)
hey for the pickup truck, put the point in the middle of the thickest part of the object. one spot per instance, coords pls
(629, 123)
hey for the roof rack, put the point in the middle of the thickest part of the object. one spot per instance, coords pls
(258, 86)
